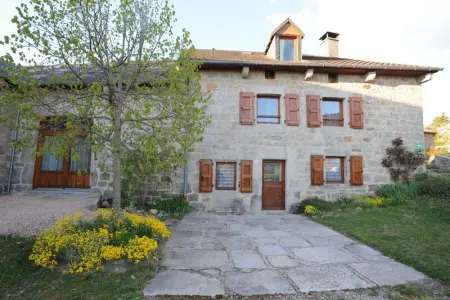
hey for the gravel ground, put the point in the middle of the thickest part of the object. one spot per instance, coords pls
(25, 213)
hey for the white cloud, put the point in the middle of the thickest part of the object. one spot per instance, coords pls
(401, 31)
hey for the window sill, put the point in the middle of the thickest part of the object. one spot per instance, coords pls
(225, 189)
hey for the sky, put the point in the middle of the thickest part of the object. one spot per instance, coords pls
(397, 31)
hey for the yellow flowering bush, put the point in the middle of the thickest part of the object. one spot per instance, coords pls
(139, 248)
(310, 210)
(79, 245)
(373, 202)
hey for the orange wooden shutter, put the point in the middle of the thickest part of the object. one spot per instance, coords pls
(246, 176)
(313, 112)
(246, 108)
(356, 170)
(356, 112)
(317, 167)
(206, 176)
(292, 109)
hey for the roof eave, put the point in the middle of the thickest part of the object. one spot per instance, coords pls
(218, 63)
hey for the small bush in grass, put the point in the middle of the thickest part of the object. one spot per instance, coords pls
(421, 177)
(398, 192)
(175, 206)
(435, 186)
(311, 210)
(372, 202)
(320, 204)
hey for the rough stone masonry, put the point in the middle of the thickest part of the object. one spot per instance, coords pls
(392, 108)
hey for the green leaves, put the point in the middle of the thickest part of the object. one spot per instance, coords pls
(93, 62)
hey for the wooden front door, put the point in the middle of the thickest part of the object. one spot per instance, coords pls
(273, 184)
(69, 171)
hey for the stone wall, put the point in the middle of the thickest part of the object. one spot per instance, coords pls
(4, 153)
(392, 108)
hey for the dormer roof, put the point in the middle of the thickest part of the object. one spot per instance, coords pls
(287, 27)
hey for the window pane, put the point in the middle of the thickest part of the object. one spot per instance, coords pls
(287, 49)
(225, 175)
(51, 162)
(267, 120)
(80, 156)
(272, 171)
(331, 110)
(268, 107)
(333, 169)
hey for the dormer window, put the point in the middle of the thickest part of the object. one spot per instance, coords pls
(287, 48)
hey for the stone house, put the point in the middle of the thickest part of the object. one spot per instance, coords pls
(285, 126)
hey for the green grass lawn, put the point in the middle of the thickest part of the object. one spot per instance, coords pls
(417, 233)
(20, 279)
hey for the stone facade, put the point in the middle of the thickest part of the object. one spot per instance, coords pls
(4, 154)
(392, 108)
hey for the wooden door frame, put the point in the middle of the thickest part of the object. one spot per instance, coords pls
(38, 161)
(283, 175)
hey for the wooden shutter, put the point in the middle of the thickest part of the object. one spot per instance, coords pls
(356, 170)
(356, 112)
(292, 109)
(317, 168)
(246, 108)
(246, 176)
(313, 112)
(206, 175)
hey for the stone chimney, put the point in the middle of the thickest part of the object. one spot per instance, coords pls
(329, 43)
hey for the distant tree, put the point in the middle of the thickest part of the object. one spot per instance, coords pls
(112, 70)
(401, 162)
(439, 121)
(440, 124)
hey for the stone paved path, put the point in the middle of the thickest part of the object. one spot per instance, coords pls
(268, 253)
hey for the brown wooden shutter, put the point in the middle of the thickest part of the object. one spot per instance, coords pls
(246, 108)
(292, 109)
(317, 162)
(356, 170)
(356, 112)
(206, 167)
(246, 176)
(313, 112)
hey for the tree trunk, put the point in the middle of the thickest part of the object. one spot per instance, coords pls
(117, 168)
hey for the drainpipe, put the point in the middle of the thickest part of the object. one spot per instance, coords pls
(185, 175)
(12, 152)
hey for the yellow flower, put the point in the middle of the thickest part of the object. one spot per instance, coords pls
(139, 248)
(311, 210)
(112, 252)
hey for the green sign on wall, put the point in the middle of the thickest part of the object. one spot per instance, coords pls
(420, 147)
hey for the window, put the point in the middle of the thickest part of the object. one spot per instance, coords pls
(332, 77)
(269, 109)
(269, 74)
(332, 112)
(287, 49)
(334, 169)
(272, 171)
(226, 176)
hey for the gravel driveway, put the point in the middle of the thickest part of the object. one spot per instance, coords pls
(25, 213)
